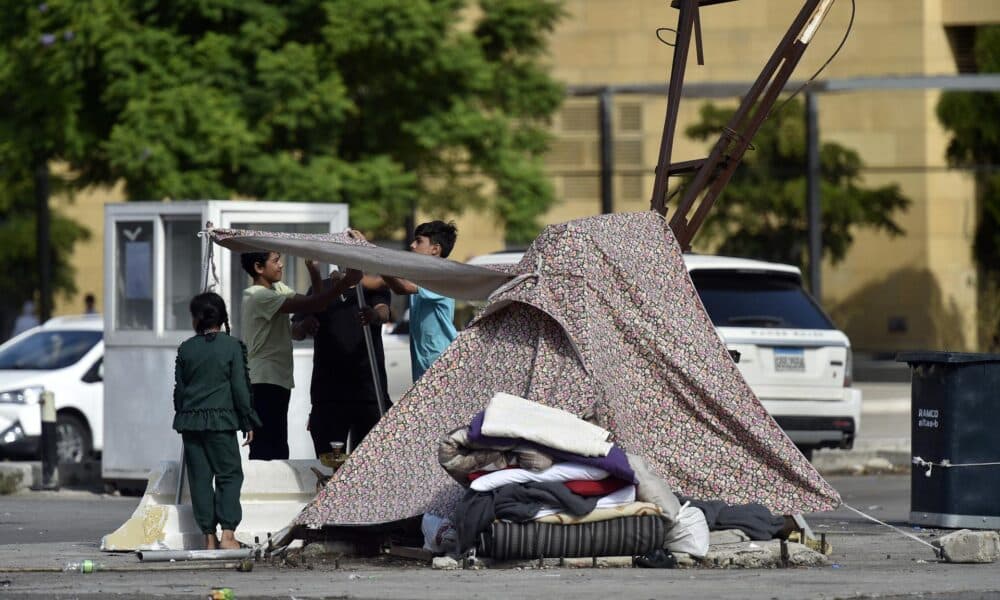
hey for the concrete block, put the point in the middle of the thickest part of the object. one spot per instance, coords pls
(878, 464)
(685, 560)
(727, 536)
(30, 472)
(15, 477)
(273, 494)
(445, 563)
(967, 546)
(601, 562)
(329, 549)
(761, 555)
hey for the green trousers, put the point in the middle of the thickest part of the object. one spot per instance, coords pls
(214, 455)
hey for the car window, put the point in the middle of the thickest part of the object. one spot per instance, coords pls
(46, 350)
(757, 299)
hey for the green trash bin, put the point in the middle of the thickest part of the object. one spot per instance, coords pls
(955, 439)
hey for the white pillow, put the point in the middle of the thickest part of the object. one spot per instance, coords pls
(621, 497)
(566, 471)
(690, 533)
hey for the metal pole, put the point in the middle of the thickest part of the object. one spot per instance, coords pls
(43, 240)
(371, 354)
(48, 445)
(813, 209)
(606, 105)
(173, 555)
(685, 23)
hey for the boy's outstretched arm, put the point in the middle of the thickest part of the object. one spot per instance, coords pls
(401, 286)
(318, 301)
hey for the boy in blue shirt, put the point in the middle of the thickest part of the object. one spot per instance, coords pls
(432, 315)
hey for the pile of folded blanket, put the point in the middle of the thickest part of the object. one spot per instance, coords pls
(543, 482)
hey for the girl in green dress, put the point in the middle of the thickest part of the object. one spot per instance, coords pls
(212, 399)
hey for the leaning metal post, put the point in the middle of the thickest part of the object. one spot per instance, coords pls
(370, 345)
(685, 23)
(735, 139)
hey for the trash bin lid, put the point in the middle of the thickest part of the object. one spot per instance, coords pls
(928, 356)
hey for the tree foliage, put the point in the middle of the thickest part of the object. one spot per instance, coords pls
(36, 123)
(762, 212)
(972, 119)
(384, 104)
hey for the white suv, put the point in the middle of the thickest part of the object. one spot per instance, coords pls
(64, 356)
(789, 351)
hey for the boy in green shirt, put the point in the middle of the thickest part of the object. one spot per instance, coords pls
(268, 336)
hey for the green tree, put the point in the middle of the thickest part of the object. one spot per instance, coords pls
(971, 117)
(762, 212)
(387, 105)
(36, 125)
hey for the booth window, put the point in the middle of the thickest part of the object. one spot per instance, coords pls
(182, 270)
(134, 276)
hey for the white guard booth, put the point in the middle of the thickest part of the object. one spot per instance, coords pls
(153, 264)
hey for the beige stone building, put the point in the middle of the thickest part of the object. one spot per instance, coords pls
(917, 291)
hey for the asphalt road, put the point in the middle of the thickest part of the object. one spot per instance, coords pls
(83, 517)
(868, 561)
(68, 516)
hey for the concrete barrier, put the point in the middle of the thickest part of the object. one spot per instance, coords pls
(274, 492)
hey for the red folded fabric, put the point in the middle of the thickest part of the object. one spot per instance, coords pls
(602, 487)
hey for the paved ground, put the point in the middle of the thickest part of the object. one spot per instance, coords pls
(44, 529)
(868, 561)
(884, 438)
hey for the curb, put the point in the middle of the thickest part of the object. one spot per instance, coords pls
(20, 476)
(886, 459)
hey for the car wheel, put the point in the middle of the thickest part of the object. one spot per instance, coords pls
(73, 444)
(807, 451)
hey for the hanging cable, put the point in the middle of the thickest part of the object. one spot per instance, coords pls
(659, 30)
(896, 529)
(947, 464)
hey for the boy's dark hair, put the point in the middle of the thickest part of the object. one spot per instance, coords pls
(249, 259)
(209, 311)
(439, 232)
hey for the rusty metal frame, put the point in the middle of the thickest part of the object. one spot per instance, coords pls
(715, 171)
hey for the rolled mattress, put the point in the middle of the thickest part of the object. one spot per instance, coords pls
(624, 536)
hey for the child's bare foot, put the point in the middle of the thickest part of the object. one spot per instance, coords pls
(229, 540)
(210, 542)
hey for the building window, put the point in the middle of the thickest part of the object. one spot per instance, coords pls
(962, 40)
(630, 117)
(182, 271)
(134, 276)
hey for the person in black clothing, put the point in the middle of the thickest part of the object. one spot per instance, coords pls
(342, 389)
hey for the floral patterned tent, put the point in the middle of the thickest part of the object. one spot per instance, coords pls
(599, 317)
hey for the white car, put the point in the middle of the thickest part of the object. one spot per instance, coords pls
(792, 356)
(64, 356)
(396, 345)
